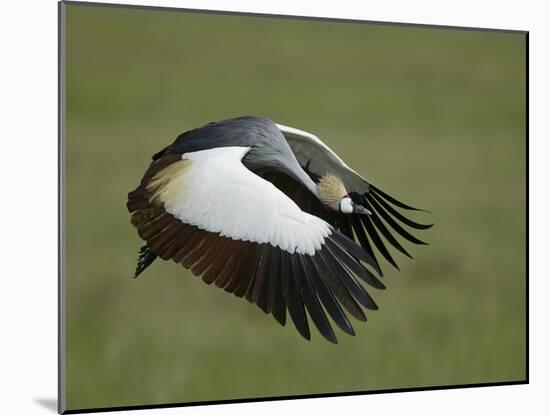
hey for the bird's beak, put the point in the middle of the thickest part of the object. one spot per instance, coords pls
(359, 209)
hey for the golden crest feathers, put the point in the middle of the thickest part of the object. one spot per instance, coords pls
(331, 189)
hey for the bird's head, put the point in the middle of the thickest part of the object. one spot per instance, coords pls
(334, 196)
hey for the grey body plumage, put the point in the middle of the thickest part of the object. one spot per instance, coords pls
(269, 150)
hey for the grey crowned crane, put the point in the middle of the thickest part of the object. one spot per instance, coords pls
(270, 213)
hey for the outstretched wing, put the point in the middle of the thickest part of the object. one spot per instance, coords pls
(208, 212)
(317, 159)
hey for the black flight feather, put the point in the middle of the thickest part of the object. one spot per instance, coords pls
(145, 258)
(394, 201)
(376, 239)
(390, 221)
(382, 228)
(319, 275)
(294, 301)
(348, 280)
(312, 304)
(395, 213)
(352, 263)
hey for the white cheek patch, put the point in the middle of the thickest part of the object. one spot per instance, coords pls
(346, 206)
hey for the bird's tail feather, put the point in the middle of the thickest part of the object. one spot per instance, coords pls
(145, 258)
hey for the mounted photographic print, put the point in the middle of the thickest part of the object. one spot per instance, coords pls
(257, 207)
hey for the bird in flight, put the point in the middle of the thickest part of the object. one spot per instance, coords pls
(269, 213)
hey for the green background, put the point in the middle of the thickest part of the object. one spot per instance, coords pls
(433, 116)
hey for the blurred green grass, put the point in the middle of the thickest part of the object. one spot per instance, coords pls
(435, 117)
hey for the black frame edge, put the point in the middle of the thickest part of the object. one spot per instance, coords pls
(293, 397)
(61, 333)
(527, 207)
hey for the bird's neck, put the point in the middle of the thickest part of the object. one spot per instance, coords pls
(298, 174)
